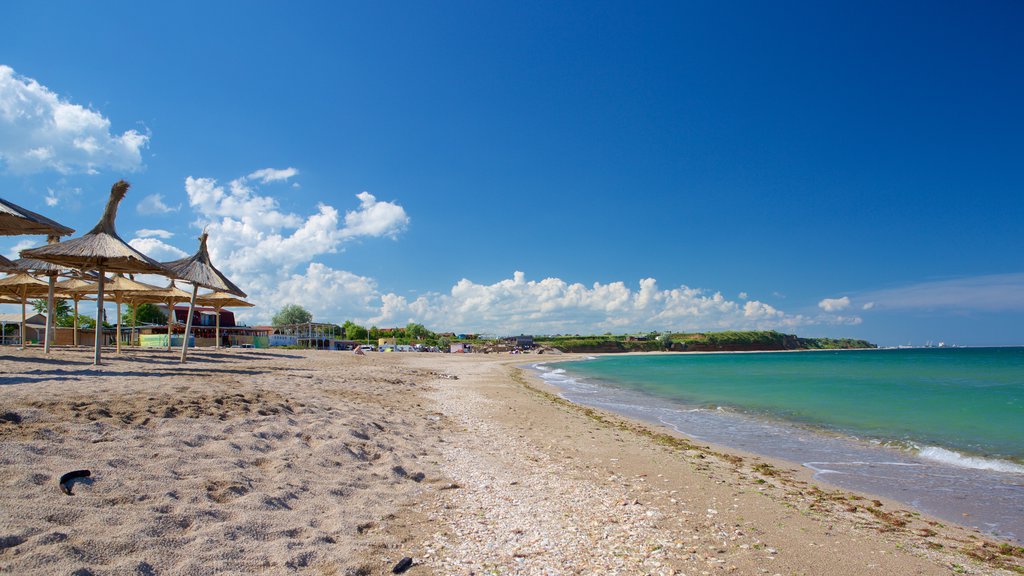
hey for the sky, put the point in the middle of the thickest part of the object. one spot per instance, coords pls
(826, 169)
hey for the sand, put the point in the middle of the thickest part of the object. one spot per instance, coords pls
(316, 462)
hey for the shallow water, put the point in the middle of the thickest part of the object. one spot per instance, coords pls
(958, 471)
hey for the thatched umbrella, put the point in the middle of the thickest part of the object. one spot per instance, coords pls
(168, 296)
(51, 271)
(77, 288)
(123, 290)
(100, 249)
(6, 265)
(220, 300)
(198, 271)
(15, 220)
(23, 286)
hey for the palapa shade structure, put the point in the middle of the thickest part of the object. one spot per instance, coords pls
(219, 301)
(123, 289)
(77, 288)
(169, 296)
(23, 286)
(6, 265)
(100, 249)
(198, 271)
(51, 271)
(15, 220)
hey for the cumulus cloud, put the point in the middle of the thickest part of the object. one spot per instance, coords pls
(13, 253)
(553, 305)
(51, 198)
(834, 304)
(39, 131)
(147, 233)
(271, 253)
(868, 306)
(375, 218)
(154, 204)
(156, 249)
(267, 175)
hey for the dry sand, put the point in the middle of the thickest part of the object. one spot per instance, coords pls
(279, 462)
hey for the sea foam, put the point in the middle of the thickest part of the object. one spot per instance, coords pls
(952, 458)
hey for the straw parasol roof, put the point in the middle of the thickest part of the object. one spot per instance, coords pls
(15, 220)
(220, 300)
(23, 286)
(6, 265)
(199, 271)
(100, 249)
(77, 288)
(52, 271)
(169, 296)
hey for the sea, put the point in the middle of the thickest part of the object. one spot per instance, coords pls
(940, 429)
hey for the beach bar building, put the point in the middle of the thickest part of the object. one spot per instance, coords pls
(204, 320)
(314, 335)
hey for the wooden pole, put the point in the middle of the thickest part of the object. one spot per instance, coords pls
(97, 353)
(188, 322)
(170, 319)
(24, 302)
(117, 300)
(216, 309)
(49, 314)
(76, 321)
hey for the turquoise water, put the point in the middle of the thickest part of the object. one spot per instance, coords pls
(968, 400)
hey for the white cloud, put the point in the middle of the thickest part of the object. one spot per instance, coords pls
(270, 253)
(157, 250)
(267, 175)
(39, 131)
(51, 198)
(743, 296)
(834, 304)
(154, 204)
(147, 233)
(13, 253)
(553, 306)
(375, 218)
(868, 306)
(995, 292)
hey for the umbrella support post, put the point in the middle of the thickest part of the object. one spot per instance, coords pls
(117, 346)
(24, 301)
(76, 322)
(98, 331)
(50, 329)
(188, 322)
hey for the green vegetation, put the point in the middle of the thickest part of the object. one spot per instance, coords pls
(291, 314)
(144, 314)
(61, 307)
(698, 342)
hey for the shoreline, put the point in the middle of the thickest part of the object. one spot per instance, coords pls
(855, 464)
(321, 462)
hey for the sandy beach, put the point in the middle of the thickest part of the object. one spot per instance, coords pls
(285, 461)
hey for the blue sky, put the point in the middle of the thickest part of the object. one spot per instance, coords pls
(843, 170)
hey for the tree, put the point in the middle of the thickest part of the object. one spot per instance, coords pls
(291, 314)
(354, 331)
(417, 331)
(61, 307)
(84, 322)
(145, 314)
